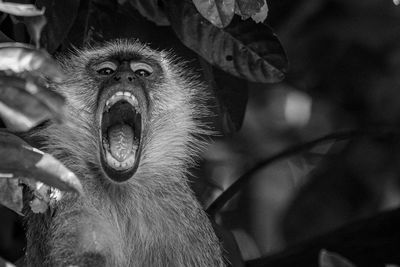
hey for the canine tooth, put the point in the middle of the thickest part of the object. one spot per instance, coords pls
(135, 102)
(108, 103)
(109, 158)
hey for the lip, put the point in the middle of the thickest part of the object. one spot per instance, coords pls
(120, 176)
(121, 107)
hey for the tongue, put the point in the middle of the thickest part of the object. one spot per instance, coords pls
(120, 138)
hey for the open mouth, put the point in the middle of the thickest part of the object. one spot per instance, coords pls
(121, 130)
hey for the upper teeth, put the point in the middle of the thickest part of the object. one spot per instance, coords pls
(127, 96)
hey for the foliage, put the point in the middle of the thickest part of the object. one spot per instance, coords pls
(328, 259)
(25, 102)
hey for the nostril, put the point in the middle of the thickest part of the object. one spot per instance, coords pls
(124, 77)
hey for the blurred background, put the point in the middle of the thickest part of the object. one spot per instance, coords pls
(344, 60)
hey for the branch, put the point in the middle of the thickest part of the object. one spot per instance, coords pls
(235, 187)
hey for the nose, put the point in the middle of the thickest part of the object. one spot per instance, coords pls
(124, 76)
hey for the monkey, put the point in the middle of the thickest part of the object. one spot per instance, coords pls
(135, 126)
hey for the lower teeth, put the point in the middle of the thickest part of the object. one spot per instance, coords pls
(127, 163)
(115, 164)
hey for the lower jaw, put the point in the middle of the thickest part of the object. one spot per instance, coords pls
(118, 175)
(125, 165)
(116, 170)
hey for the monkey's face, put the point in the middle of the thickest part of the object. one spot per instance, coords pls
(123, 109)
(142, 110)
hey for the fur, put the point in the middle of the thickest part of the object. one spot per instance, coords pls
(153, 219)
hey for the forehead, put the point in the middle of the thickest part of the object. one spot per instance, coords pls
(123, 50)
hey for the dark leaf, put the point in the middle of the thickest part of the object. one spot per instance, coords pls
(11, 194)
(35, 26)
(371, 241)
(29, 15)
(329, 259)
(78, 35)
(262, 14)
(232, 94)
(4, 263)
(246, 8)
(21, 160)
(150, 10)
(245, 49)
(23, 10)
(60, 18)
(3, 17)
(218, 12)
(4, 38)
(231, 97)
(230, 247)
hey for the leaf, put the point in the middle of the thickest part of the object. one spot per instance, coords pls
(4, 263)
(25, 111)
(20, 110)
(4, 38)
(18, 159)
(245, 49)
(23, 10)
(33, 18)
(330, 259)
(150, 10)
(246, 8)
(25, 104)
(232, 93)
(11, 194)
(218, 12)
(19, 57)
(25, 101)
(35, 26)
(261, 15)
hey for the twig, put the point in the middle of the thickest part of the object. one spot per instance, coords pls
(244, 179)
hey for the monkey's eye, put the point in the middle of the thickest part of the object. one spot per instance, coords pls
(141, 69)
(106, 68)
